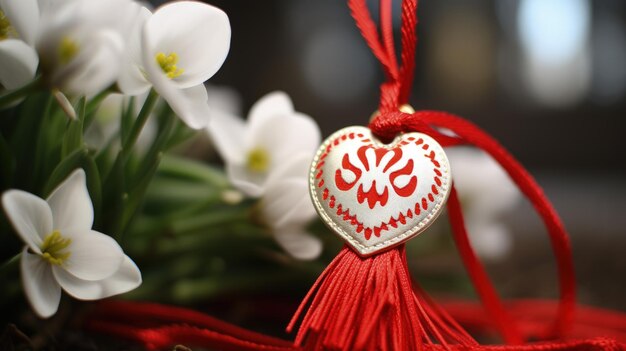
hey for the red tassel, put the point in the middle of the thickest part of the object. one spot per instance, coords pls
(371, 304)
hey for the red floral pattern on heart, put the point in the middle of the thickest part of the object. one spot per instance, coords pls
(383, 160)
(377, 195)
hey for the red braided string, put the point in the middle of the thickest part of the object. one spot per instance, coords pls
(559, 239)
(361, 15)
(468, 133)
(489, 297)
(409, 41)
(395, 91)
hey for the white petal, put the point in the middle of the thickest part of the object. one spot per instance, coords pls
(296, 166)
(96, 66)
(30, 215)
(18, 63)
(228, 133)
(272, 104)
(189, 104)
(249, 183)
(131, 80)
(287, 203)
(287, 135)
(93, 255)
(298, 243)
(71, 205)
(199, 34)
(127, 278)
(224, 99)
(24, 17)
(76, 287)
(286, 199)
(43, 292)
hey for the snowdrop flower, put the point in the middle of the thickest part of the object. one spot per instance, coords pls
(286, 208)
(175, 50)
(274, 135)
(18, 60)
(487, 193)
(269, 157)
(79, 42)
(62, 251)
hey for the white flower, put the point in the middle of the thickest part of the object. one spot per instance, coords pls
(18, 60)
(286, 208)
(274, 135)
(62, 251)
(487, 193)
(79, 42)
(269, 157)
(175, 50)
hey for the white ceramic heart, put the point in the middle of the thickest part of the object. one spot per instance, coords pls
(377, 195)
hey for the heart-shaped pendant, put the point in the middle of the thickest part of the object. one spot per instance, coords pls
(378, 195)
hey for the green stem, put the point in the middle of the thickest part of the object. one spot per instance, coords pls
(93, 105)
(147, 108)
(215, 219)
(10, 264)
(192, 170)
(16, 94)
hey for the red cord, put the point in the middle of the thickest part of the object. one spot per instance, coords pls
(396, 90)
(489, 297)
(468, 133)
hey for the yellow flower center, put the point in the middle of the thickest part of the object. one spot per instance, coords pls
(258, 160)
(53, 248)
(6, 29)
(67, 50)
(168, 64)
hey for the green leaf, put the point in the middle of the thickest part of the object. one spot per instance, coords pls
(94, 185)
(126, 121)
(11, 96)
(7, 164)
(177, 167)
(70, 163)
(92, 107)
(154, 154)
(135, 198)
(129, 141)
(28, 123)
(73, 138)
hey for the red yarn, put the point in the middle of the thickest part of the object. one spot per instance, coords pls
(370, 304)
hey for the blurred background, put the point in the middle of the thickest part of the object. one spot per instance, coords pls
(547, 78)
